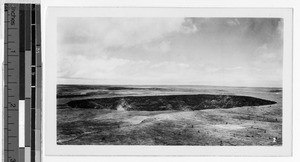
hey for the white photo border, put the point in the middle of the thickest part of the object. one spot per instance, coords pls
(49, 82)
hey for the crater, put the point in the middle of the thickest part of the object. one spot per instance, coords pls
(171, 102)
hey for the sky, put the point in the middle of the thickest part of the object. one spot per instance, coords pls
(170, 51)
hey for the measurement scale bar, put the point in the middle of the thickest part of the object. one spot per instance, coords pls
(22, 83)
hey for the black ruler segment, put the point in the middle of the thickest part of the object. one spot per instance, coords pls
(33, 13)
(33, 45)
(33, 82)
(28, 27)
(33, 76)
(32, 98)
(22, 52)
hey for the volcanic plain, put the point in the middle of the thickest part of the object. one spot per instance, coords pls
(168, 115)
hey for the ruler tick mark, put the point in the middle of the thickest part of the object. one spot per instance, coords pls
(14, 41)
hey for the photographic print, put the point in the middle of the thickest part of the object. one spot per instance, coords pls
(168, 81)
(199, 81)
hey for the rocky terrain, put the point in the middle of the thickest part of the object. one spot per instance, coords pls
(171, 102)
(205, 116)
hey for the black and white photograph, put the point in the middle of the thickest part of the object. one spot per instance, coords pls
(144, 80)
(169, 81)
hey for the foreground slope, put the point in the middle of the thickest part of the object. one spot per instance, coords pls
(246, 125)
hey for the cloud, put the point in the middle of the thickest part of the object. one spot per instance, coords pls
(229, 51)
(83, 67)
(158, 46)
(280, 28)
(266, 55)
(165, 46)
(109, 69)
(170, 66)
(188, 26)
(263, 30)
(114, 32)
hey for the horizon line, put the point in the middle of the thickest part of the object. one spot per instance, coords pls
(169, 85)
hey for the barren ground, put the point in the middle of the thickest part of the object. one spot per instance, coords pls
(243, 126)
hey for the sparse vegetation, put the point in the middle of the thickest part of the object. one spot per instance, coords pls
(238, 117)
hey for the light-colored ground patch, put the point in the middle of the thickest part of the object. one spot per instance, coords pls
(135, 119)
(228, 126)
(174, 116)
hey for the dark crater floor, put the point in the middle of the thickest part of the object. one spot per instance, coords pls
(171, 102)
